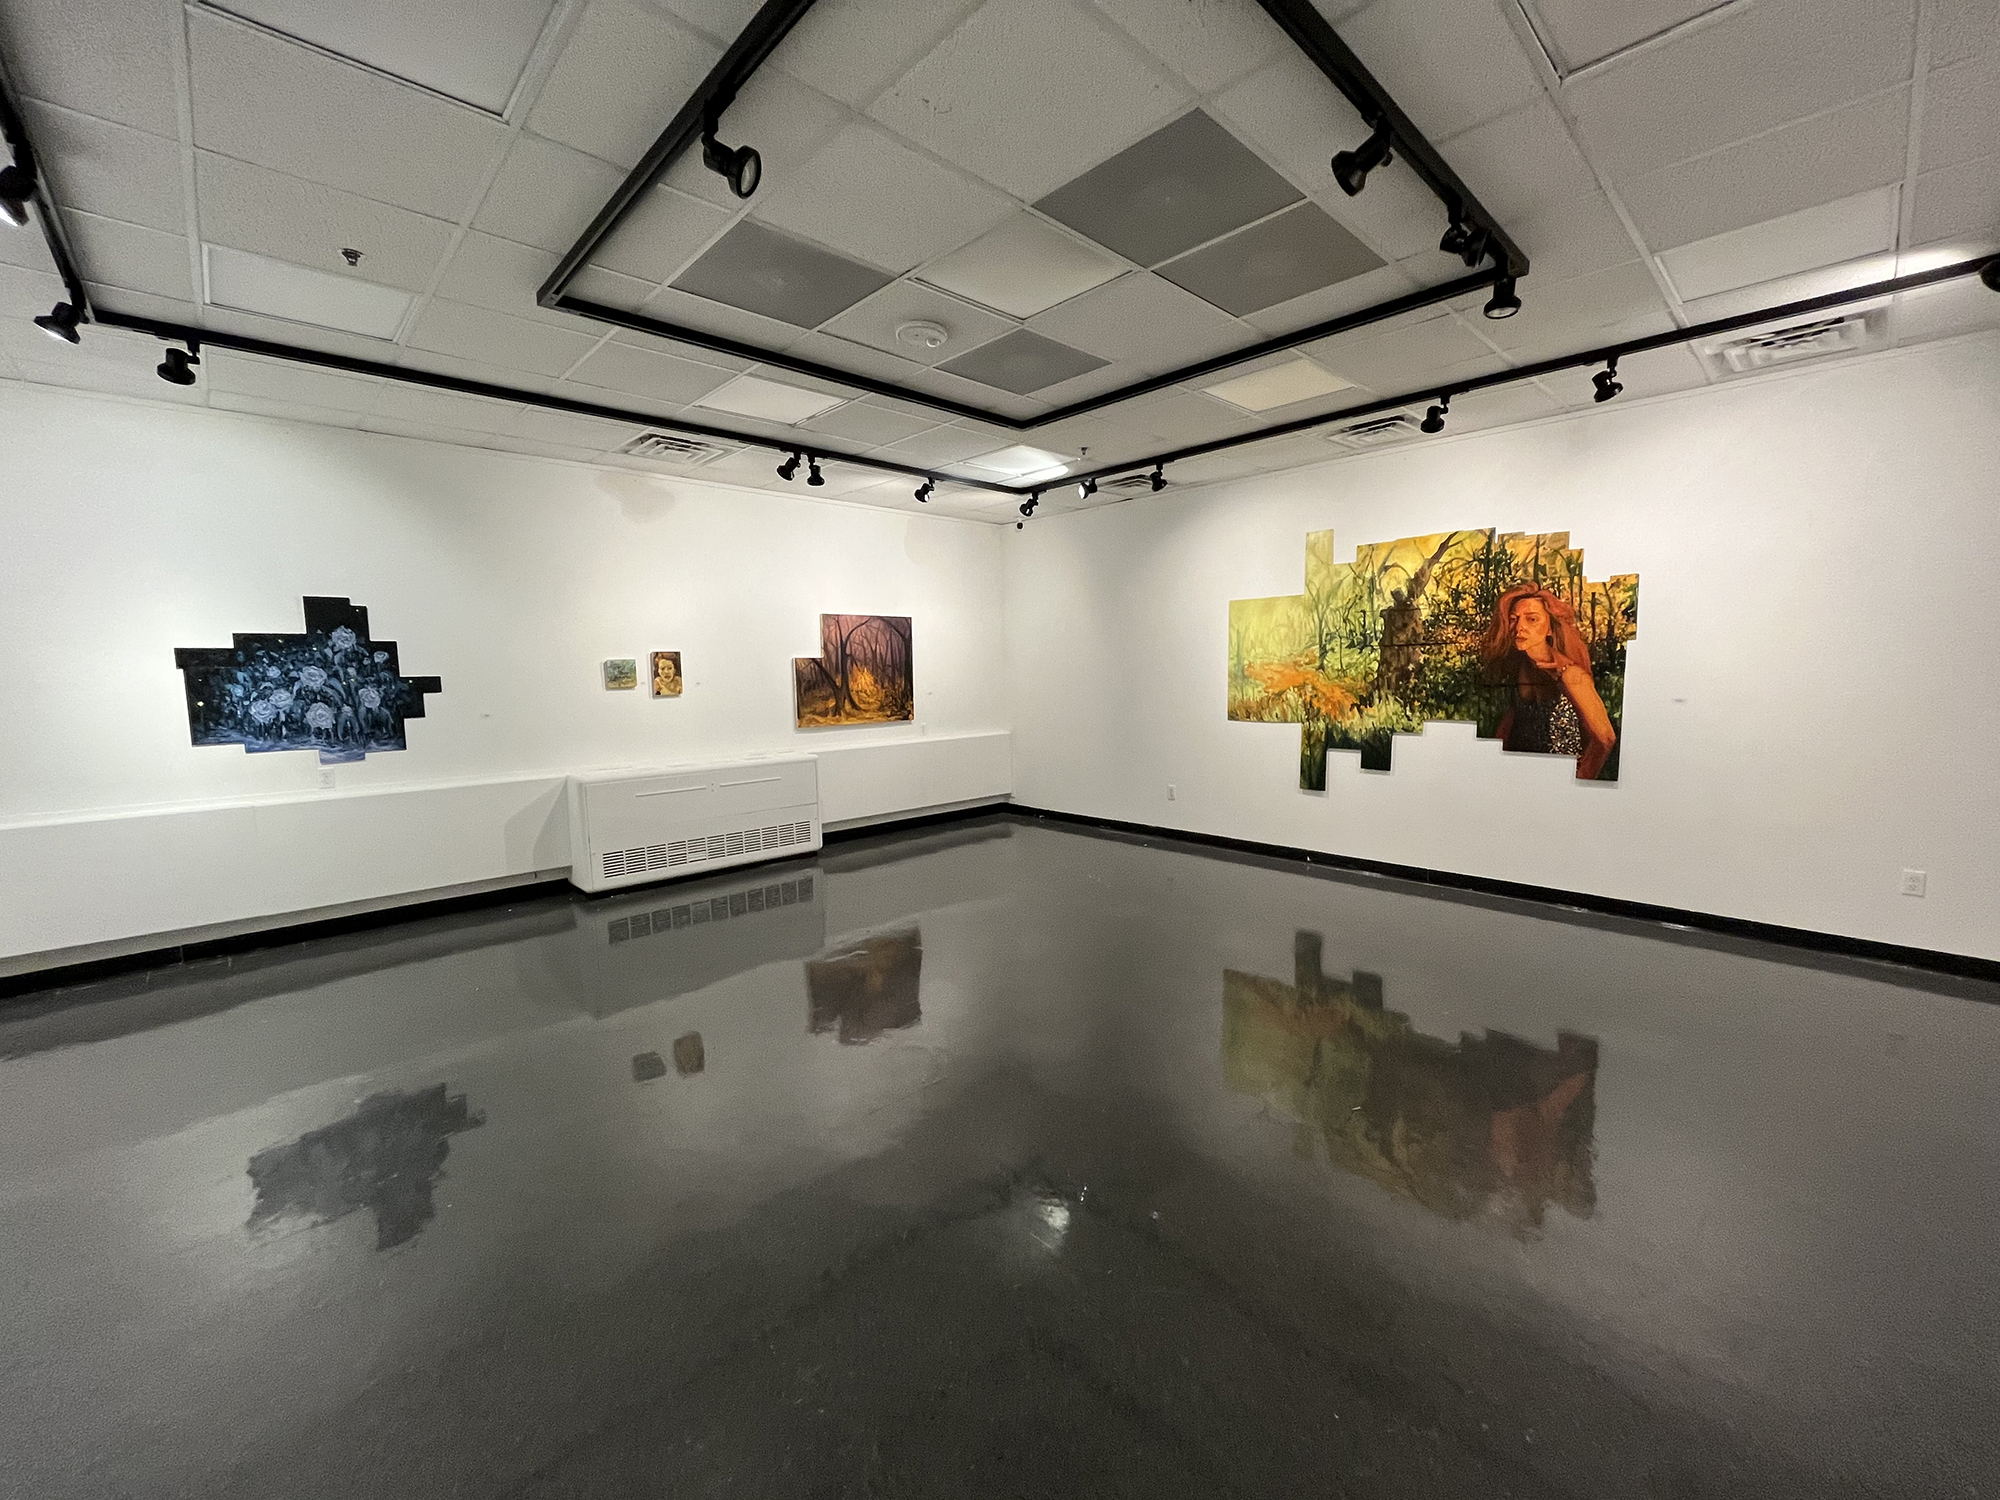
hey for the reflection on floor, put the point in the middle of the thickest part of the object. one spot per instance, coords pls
(386, 1156)
(1490, 1127)
(1575, 1208)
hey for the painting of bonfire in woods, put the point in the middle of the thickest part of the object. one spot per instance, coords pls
(862, 674)
(1498, 628)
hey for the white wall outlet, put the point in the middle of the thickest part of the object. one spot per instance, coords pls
(1913, 882)
(1170, 791)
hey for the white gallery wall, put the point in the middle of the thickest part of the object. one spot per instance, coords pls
(128, 529)
(1812, 702)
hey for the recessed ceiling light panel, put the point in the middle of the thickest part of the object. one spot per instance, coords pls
(750, 396)
(250, 283)
(1021, 462)
(1281, 385)
(1021, 268)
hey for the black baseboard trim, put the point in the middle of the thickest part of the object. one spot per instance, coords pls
(1930, 960)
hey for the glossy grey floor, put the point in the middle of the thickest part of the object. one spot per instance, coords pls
(1002, 1160)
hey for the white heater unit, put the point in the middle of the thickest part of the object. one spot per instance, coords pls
(633, 826)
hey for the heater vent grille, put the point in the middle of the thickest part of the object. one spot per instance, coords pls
(620, 864)
(1376, 432)
(673, 448)
(1848, 333)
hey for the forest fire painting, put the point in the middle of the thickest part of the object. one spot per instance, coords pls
(863, 674)
(1499, 628)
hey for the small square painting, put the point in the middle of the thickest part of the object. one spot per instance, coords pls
(621, 673)
(666, 674)
(862, 675)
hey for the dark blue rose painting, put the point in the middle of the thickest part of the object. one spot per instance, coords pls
(332, 689)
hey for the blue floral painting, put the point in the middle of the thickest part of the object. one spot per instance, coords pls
(332, 689)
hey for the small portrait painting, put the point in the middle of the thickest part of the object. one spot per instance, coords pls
(621, 673)
(666, 674)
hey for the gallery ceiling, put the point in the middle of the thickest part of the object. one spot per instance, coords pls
(993, 169)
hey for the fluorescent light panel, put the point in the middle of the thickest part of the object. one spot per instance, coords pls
(749, 396)
(251, 283)
(1021, 462)
(1281, 385)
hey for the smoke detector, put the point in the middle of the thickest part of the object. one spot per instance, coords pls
(1376, 432)
(674, 448)
(1845, 333)
(922, 335)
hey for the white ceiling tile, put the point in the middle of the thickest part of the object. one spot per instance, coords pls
(1023, 267)
(853, 49)
(24, 250)
(787, 123)
(1500, 406)
(1962, 113)
(1766, 64)
(1959, 202)
(1401, 358)
(1371, 289)
(28, 294)
(282, 382)
(871, 197)
(109, 169)
(663, 232)
(874, 321)
(416, 403)
(147, 305)
(620, 80)
(1182, 417)
(299, 335)
(111, 58)
(1209, 43)
(501, 377)
(289, 411)
(309, 224)
(996, 98)
(769, 397)
(1145, 319)
(1942, 312)
(494, 338)
(531, 447)
(428, 432)
(1654, 373)
(1830, 156)
(1826, 235)
(490, 272)
(278, 289)
(1584, 234)
(591, 434)
(267, 101)
(609, 289)
(844, 354)
(1521, 163)
(546, 194)
(124, 255)
(1963, 28)
(1581, 32)
(672, 305)
(1578, 309)
(652, 373)
(870, 423)
(723, 20)
(1451, 64)
(941, 445)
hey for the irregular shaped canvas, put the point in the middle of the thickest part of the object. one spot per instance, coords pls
(1499, 628)
(863, 674)
(333, 688)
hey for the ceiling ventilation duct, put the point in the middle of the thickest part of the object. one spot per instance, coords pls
(1846, 333)
(1376, 432)
(673, 448)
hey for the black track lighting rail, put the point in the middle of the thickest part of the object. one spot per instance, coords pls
(698, 118)
(14, 132)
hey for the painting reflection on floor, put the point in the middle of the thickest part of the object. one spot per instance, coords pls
(867, 987)
(1488, 1127)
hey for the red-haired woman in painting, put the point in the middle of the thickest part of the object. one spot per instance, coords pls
(1533, 643)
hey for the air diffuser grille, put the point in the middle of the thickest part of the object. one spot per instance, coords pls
(1850, 333)
(1376, 432)
(672, 448)
(623, 863)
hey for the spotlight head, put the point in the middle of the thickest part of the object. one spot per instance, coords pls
(1351, 168)
(1085, 490)
(1989, 275)
(1453, 241)
(813, 475)
(925, 491)
(1159, 478)
(178, 367)
(60, 322)
(788, 468)
(17, 190)
(740, 166)
(1433, 421)
(1503, 303)
(1028, 505)
(1606, 380)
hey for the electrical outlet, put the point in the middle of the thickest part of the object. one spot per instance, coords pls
(1170, 791)
(1913, 882)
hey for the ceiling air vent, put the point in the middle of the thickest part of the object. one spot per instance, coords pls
(1848, 333)
(1130, 484)
(672, 448)
(1376, 432)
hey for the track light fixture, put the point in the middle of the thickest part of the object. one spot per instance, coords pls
(1503, 303)
(178, 367)
(1028, 505)
(925, 491)
(788, 468)
(1467, 241)
(1989, 275)
(60, 321)
(739, 166)
(1159, 478)
(1086, 489)
(1433, 421)
(17, 187)
(813, 475)
(1606, 380)
(1351, 168)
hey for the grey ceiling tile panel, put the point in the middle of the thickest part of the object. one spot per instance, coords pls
(546, 194)
(491, 272)
(1209, 45)
(1451, 64)
(1962, 114)
(309, 224)
(662, 233)
(648, 372)
(125, 255)
(619, 80)
(1962, 29)
(1141, 318)
(267, 101)
(1022, 362)
(875, 320)
(777, 275)
(1756, 69)
(1299, 251)
(871, 197)
(1831, 156)
(493, 338)
(998, 99)
(1959, 204)
(1368, 290)
(109, 169)
(854, 49)
(698, 313)
(1184, 184)
(108, 58)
